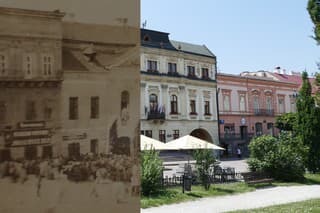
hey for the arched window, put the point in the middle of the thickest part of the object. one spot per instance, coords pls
(153, 102)
(174, 104)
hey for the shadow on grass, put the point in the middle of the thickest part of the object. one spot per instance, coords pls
(195, 195)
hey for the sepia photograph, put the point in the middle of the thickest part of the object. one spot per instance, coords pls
(69, 106)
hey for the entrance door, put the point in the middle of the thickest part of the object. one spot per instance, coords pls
(74, 150)
(243, 132)
(47, 152)
(30, 152)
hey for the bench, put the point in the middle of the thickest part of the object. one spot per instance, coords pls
(256, 177)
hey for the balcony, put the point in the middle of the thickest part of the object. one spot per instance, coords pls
(156, 115)
(263, 112)
(227, 138)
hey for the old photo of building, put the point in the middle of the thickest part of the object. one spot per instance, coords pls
(68, 107)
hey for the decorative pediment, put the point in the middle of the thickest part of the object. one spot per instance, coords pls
(207, 94)
(153, 89)
(192, 93)
(173, 90)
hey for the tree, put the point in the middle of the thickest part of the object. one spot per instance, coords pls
(151, 172)
(204, 159)
(286, 121)
(308, 121)
(314, 12)
(279, 157)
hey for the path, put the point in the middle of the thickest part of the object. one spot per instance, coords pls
(256, 199)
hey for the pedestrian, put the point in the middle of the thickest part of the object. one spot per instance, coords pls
(239, 152)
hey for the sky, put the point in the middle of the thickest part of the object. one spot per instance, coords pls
(245, 35)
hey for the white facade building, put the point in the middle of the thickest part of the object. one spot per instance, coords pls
(178, 89)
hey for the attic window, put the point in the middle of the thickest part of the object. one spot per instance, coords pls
(90, 53)
(146, 38)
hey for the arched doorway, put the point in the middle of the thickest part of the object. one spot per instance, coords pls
(202, 134)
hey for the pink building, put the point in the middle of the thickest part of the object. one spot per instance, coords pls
(248, 106)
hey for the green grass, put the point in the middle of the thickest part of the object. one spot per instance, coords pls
(175, 195)
(297, 207)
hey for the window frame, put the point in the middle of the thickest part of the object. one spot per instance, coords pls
(174, 104)
(94, 107)
(73, 108)
(162, 135)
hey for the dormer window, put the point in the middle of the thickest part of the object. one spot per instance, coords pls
(172, 67)
(191, 71)
(205, 73)
(152, 66)
(146, 38)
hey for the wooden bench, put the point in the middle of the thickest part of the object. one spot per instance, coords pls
(256, 177)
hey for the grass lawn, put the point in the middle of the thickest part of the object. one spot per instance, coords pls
(303, 206)
(175, 195)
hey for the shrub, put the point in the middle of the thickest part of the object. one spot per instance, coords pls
(204, 159)
(281, 157)
(151, 172)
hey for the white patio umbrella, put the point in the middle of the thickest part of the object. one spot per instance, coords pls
(147, 143)
(190, 142)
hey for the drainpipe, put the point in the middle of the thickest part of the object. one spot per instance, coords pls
(217, 103)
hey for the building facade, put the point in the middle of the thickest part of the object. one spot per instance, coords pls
(65, 87)
(178, 89)
(248, 106)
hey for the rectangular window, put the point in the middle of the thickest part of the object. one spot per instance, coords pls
(94, 146)
(191, 71)
(148, 133)
(256, 107)
(3, 111)
(31, 110)
(94, 107)
(3, 65)
(193, 107)
(281, 105)
(47, 63)
(242, 103)
(162, 135)
(47, 113)
(152, 66)
(73, 108)
(205, 73)
(176, 134)
(28, 65)
(207, 107)
(226, 103)
(172, 67)
(269, 110)
(142, 132)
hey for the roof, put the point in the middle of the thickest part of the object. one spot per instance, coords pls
(295, 79)
(192, 48)
(157, 39)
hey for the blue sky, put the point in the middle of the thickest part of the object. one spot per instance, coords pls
(245, 35)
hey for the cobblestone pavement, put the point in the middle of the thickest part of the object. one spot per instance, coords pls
(256, 199)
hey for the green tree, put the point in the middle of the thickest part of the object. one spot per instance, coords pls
(287, 121)
(204, 159)
(314, 12)
(151, 172)
(307, 128)
(280, 157)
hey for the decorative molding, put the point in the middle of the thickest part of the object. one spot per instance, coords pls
(173, 90)
(192, 93)
(207, 94)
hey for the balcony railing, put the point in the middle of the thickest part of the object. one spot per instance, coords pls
(156, 115)
(263, 112)
(235, 137)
